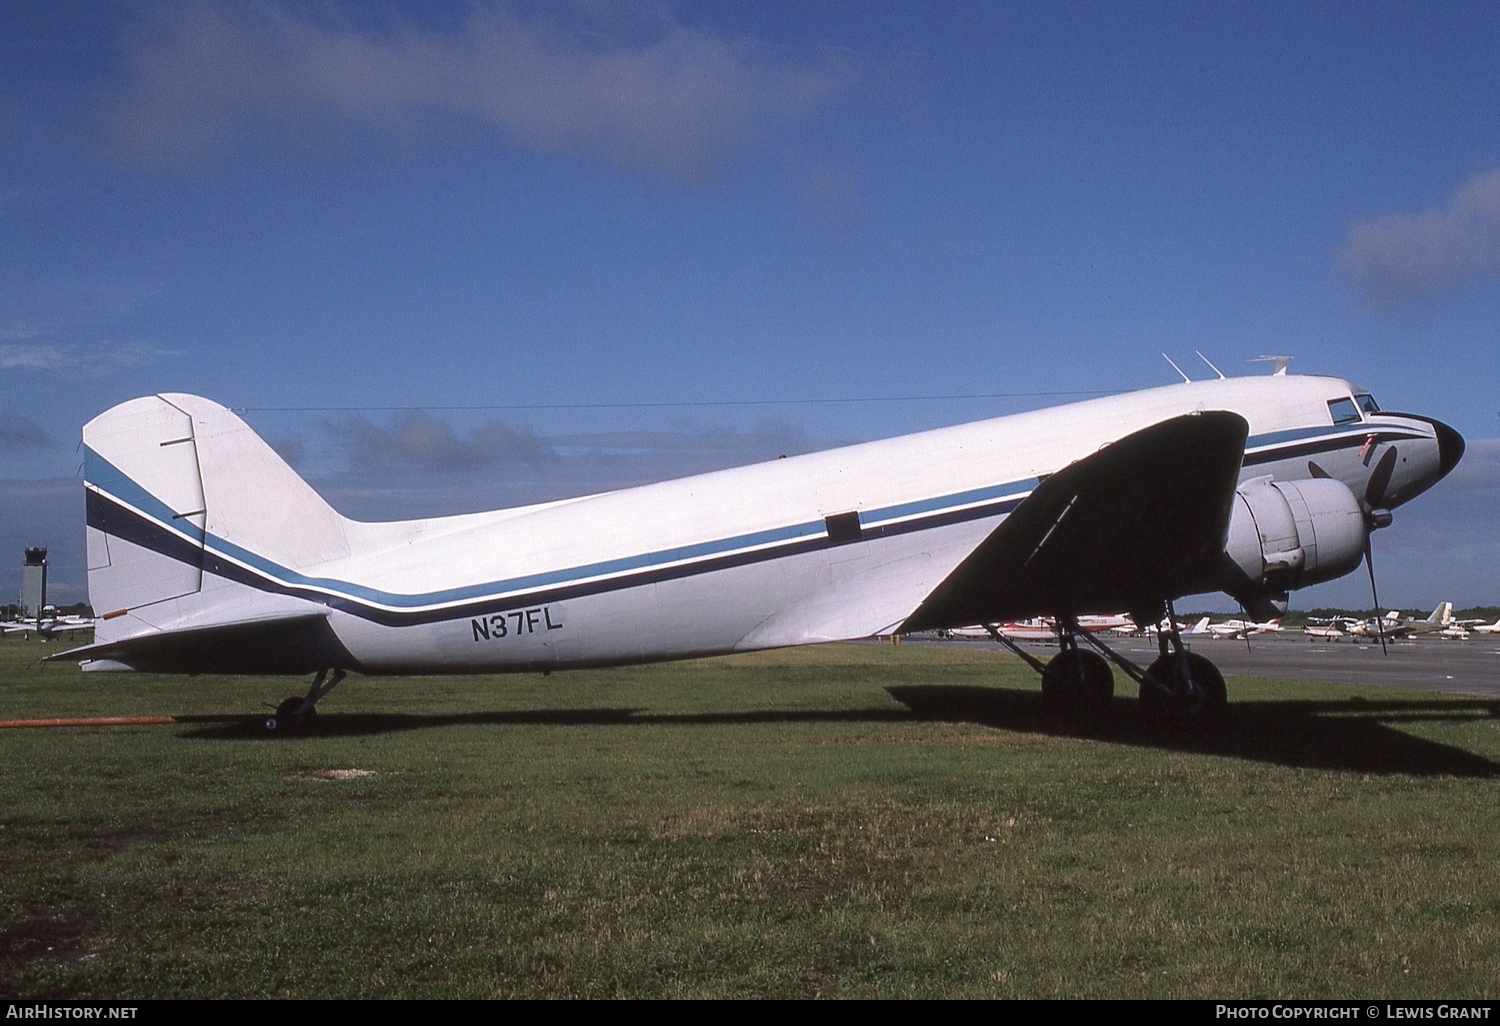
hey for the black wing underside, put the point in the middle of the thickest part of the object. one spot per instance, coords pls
(1139, 522)
(291, 645)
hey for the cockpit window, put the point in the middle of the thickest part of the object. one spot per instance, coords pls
(1367, 402)
(1344, 411)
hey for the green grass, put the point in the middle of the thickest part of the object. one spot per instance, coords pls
(844, 821)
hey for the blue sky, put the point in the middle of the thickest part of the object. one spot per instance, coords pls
(320, 211)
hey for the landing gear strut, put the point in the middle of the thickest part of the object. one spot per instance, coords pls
(1180, 687)
(1197, 695)
(301, 713)
(1075, 681)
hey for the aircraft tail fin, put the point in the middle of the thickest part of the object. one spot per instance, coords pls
(1201, 627)
(173, 480)
(1442, 614)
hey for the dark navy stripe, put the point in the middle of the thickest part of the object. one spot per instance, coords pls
(143, 531)
(1315, 446)
(108, 514)
(122, 489)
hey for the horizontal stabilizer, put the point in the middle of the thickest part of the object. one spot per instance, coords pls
(1140, 521)
(288, 645)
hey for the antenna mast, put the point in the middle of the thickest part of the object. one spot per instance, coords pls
(1280, 361)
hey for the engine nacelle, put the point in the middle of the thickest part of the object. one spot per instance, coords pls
(1290, 534)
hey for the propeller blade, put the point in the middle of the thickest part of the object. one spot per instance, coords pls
(1380, 479)
(1374, 597)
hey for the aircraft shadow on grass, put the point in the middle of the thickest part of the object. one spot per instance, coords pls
(1359, 735)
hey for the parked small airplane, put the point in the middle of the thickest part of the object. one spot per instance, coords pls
(49, 625)
(1332, 631)
(1486, 628)
(1107, 623)
(1166, 625)
(1370, 628)
(208, 554)
(1438, 621)
(1042, 628)
(973, 632)
(1239, 630)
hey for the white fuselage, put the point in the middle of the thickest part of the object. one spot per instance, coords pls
(736, 560)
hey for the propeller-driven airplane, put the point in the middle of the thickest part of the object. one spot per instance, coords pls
(1331, 631)
(1239, 630)
(1043, 628)
(49, 625)
(1440, 620)
(208, 554)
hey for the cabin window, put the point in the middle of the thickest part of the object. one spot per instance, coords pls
(1344, 411)
(1367, 403)
(842, 528)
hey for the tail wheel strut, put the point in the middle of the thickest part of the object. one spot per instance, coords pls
(299, 713)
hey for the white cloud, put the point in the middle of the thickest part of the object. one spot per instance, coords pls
(100, 357)
(35, 357)
(674, 103)
(129, 354)
(1399, 256)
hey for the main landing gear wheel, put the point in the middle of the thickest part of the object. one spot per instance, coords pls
(1077, 680)
(1206, 701)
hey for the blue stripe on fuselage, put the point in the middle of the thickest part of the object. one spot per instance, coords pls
(629, 571)
(110, 481)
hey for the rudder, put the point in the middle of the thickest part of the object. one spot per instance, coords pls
(172, 476)
(145, 508)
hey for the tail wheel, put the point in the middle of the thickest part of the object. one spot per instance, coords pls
(1209, 696)
(288, 716)
(1077, 680)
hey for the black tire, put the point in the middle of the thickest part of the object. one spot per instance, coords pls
(1210, 683)
(1076, 680)
(290, 719)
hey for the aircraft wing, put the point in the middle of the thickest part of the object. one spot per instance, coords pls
(302, 643)
(1142, 519)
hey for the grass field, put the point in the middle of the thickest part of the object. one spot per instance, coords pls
(850, 820)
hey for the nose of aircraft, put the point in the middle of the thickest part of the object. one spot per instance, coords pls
(1429, 464)
(1450, 447)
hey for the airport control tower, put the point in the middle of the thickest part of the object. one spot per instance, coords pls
(34, 583)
